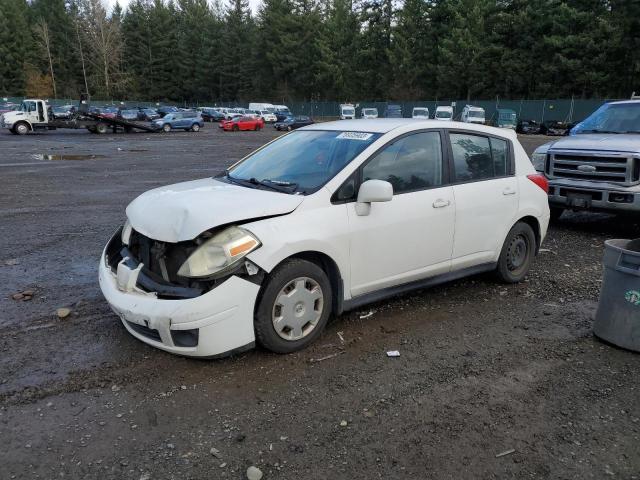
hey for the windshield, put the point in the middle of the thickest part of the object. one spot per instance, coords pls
(507, 116)
(369, 111)
(612, 118)
(443, 114)
(476, 114)
(348, 111)
(421, 111)
(303, 160)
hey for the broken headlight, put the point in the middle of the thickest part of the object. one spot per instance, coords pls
(219, 254)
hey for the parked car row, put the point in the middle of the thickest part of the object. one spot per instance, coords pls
(266, 112)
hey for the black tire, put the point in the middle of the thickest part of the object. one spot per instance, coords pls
(195, 127)
(556, 213)
(12, 131)
(102, 128)
(282, 276)
(166, 128)
(517, 253)
(21, 128)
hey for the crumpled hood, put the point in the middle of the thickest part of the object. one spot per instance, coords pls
(598, 141)
(183, 211)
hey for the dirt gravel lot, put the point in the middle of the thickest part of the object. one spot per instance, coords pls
(484, 368)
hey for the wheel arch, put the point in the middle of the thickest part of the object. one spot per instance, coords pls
(535, 226)
(26, 122)
(329, 266)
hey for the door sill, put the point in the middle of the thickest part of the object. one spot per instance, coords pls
(384, 293)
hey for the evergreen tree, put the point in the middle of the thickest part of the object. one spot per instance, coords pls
(15, 49)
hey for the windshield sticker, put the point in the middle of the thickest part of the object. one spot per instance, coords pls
(362, 136)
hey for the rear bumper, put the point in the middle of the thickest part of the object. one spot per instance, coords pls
(582, 195)
(217, 323)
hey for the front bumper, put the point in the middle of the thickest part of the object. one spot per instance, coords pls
(583, 195)
(217, 323)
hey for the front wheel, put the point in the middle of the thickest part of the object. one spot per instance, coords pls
(195, 127)
(166, 128)
(517, 253)
(102, 128)
(21, 128)
(294, 307)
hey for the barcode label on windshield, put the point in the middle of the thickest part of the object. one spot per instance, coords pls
(362, 136)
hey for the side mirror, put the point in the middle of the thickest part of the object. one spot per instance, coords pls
(372, 191)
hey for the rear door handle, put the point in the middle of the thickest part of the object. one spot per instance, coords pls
(440, 203)
(508, 191)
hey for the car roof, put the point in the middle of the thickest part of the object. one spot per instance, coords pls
(621, 102)
(385, 125)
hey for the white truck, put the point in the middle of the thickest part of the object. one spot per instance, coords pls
(347, 111)
(443, 113)
(262, 106)
(35, 114)
(420, 112)
(369, 113)
(471, 114)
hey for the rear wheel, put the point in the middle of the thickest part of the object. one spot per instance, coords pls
(517, 253)
(294, 307)
(21, 128)
(166, 128)
(556, 213)
(102, 128)
(195, 127)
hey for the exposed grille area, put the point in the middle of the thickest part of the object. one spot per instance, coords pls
(602, 167)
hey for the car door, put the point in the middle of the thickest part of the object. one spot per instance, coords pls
(411, 236)
(486, 195)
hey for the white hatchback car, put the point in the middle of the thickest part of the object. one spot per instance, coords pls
(319, 221)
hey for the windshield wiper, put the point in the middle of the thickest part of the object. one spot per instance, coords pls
(276, 185)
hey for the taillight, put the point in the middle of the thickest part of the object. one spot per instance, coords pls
(540, 180)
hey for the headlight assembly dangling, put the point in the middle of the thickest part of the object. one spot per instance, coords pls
(219, 254)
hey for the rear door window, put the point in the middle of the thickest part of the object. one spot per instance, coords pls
(477, 157)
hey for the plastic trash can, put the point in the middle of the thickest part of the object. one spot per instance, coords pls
(618, 316)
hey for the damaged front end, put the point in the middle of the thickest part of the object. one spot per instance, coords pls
(157, 265)
(193, 298)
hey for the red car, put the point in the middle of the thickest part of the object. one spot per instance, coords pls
(242, 123)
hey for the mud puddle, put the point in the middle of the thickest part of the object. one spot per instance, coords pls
(48, 156)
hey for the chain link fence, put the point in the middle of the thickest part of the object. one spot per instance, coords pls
(565, 110)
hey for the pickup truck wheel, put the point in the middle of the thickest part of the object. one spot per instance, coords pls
(294, 306)
(517, 253)
(195, 127)
(556, 213)
(21, 128)
(102, 128)
(166, 128)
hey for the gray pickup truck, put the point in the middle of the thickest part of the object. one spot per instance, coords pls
(597, 167)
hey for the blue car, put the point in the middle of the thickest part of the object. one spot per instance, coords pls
(179, 120)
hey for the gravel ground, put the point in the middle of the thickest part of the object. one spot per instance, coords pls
(485, 369)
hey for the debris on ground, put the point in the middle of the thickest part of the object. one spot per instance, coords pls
(25, 295)
(506, 452)
(367, 315)
(393, 353)
(63, 312)
(327, 357)
(254, 473)
(343, 423)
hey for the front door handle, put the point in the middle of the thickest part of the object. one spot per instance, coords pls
(440, 203)
(509, 191)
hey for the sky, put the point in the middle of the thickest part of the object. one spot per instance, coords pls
(123, 3)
